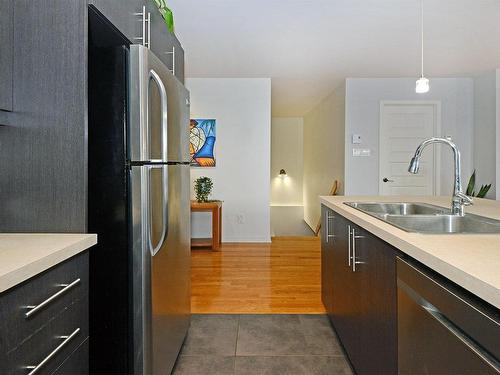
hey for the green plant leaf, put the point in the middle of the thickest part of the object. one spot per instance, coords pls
(483, 191)
(470, 186)
(166, 13)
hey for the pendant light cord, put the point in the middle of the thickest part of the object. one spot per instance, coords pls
(422, 35)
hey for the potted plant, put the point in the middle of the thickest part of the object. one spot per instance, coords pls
(203, 188)
(470, 188)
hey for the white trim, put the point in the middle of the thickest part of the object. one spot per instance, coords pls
(437, 133)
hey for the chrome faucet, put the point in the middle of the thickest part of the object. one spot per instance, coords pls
(459, 199)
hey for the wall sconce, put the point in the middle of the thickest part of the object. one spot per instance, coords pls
(282, 173)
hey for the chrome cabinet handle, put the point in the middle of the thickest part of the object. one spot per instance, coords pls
(67, 339)
(349, 246)
(328, 218)
(146, 19)
(34, 309)
(173, 59)
(354, 238)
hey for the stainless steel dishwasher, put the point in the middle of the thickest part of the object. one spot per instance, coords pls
(441, 329)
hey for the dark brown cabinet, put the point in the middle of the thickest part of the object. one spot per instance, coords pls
(43, 140)
(164, 44)
(44, 321)
(44, 105)
(327, 259)
(360, 286)
(124, 15)
(6, 54)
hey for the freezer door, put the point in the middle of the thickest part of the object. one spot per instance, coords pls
(159, 110)
(161, 265)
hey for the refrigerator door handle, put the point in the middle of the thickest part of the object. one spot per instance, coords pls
(164, 116)
(147, 212)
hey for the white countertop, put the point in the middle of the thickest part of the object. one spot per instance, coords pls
(470, 260)
(25, 255)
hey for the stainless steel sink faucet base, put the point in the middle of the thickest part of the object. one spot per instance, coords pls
(459, 199)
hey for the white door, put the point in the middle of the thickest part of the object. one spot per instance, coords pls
(403, 126)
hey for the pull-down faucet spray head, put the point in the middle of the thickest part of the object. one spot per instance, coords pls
(414, 165)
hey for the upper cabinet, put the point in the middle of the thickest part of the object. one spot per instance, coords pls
(6, 54)
(164, 44)
(124, 14)
(127, 16)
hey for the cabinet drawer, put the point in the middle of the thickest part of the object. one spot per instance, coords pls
(49, 347)
(77, 363)
(50, 292)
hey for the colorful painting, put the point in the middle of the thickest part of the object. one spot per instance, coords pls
(202, 138)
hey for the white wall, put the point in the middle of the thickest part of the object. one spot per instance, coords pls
(363, 96)
(242, 108)
(323, 152)
(484, 129)
(287, 153)
(289, 221)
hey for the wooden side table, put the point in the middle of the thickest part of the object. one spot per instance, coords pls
(215, 207)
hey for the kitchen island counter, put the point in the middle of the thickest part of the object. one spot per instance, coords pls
(472, 261)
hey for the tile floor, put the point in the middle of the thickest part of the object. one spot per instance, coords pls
(261, 344)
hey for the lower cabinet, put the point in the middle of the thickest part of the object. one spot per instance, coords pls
(77, 362)
(359, 293)
(395, 316)
(443, 329)
(44, 322)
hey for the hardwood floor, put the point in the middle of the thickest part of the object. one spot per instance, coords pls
(278, 278)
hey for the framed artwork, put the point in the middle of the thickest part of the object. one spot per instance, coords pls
(202, 137)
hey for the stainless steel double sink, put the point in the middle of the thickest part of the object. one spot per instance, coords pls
(427, 218)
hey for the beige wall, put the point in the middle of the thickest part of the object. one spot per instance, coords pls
(287, 210)
(287, 154)
(323, 151)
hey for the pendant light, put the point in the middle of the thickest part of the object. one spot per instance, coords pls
(422, 85)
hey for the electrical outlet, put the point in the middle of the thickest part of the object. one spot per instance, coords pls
(361, 152)
(240, 219)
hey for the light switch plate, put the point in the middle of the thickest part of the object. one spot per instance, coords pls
(361, 152)
(356, 139)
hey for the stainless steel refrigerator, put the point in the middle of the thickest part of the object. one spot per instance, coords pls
(159, 180)
(139, 191)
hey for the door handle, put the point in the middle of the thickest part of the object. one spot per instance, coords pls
(385, 179)
(147, 218)
(164, 116)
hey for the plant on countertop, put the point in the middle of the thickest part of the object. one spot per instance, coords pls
(470, 187)
(203, 188)
(166, 13)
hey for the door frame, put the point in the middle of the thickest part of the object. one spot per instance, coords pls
(436, 104)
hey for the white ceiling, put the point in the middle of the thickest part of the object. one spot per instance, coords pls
(308, 47)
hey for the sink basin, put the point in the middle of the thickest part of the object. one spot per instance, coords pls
(427, 218)
(399, 208)
(436, 224)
